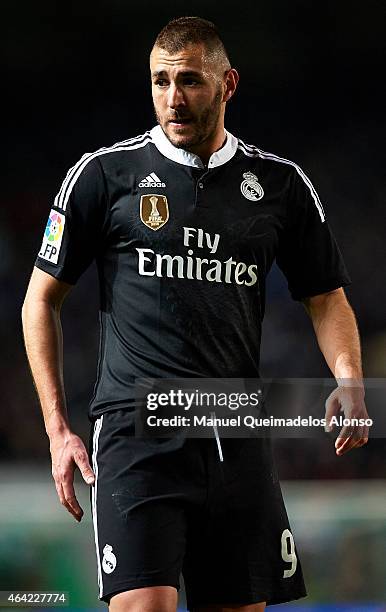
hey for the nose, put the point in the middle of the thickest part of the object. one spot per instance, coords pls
(175, 96)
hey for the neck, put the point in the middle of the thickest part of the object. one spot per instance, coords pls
(205, 149)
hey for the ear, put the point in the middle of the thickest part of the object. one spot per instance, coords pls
(230, 83)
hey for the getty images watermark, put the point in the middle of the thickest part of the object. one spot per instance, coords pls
(245, 407)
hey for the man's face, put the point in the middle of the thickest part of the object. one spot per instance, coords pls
(187, 91)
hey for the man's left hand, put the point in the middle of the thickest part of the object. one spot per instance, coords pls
(350, 401)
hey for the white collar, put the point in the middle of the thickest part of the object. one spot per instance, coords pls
(186, 158)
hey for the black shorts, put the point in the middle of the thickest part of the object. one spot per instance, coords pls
(165, 507)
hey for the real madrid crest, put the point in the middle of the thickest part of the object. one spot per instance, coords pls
(251, 188)
(109, 561)
(154, 210)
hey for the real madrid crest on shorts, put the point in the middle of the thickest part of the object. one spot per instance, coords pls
(109, 560)
(154, 210)
(251, 188)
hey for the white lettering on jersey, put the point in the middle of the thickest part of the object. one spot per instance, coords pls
(152, 180)
(195, 268)
(211, 243)
(151, 263)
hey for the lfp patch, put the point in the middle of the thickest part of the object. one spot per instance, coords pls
(52, 238)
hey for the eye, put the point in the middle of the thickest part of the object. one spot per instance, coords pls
(161, 82)
(190, 82)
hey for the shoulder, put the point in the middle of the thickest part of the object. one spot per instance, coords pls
(124, 146)
(252, 151)
(296, 176)
(114, 152)
(289, 168)
(90, 168)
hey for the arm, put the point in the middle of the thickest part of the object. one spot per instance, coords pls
(338, 338)
(44, 345)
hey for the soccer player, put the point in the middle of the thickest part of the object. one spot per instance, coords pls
(184, 223)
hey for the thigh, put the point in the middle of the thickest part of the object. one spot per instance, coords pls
(139, 518)
(242, 551)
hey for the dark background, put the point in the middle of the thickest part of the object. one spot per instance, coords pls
(75, 78)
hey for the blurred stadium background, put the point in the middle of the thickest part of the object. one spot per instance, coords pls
(75, 78)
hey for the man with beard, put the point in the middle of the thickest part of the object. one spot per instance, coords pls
(184, 223)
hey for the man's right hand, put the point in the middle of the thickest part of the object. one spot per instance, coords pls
(67, 452)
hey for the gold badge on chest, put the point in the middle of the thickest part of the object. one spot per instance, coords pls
(154, 210)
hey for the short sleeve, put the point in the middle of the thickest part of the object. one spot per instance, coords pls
(74, 232)
(308, 253)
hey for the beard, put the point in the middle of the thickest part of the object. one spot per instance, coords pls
(202, 125)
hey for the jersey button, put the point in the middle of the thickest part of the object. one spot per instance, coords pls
(201, 185)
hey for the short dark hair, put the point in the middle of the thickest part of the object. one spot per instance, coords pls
(184, 31)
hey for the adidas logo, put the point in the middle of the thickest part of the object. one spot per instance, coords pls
(152, 181)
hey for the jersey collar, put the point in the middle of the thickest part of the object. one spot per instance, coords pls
(186, 158)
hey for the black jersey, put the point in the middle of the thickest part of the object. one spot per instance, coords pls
(182, 251)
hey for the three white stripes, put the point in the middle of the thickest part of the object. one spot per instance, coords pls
(153, 178)
(74, 172)
(97, 429)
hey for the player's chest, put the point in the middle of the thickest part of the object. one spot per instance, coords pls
(222, 211)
